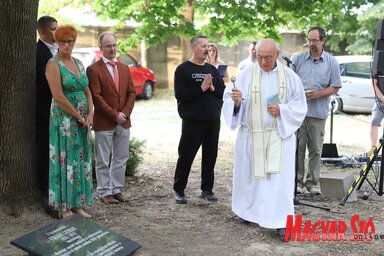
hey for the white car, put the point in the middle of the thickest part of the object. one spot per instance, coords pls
(357, 94)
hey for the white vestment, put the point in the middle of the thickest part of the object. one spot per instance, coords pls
(265, 201)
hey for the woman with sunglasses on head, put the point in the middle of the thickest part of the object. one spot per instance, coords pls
(70, 167)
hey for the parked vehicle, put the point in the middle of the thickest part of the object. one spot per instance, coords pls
(357, 94)
(143, 78)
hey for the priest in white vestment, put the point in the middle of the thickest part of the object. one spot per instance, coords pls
(267, 105)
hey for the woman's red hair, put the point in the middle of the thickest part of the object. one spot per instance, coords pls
(64, 32)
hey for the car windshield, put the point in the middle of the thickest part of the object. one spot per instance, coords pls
(127, 60)
(356, 69)
(86, 58)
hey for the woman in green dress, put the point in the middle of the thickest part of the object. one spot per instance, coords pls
(70, 166)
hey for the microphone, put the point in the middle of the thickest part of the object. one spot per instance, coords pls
(289, 62)
(233, 79)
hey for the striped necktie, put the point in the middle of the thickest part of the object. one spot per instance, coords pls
(115, 74)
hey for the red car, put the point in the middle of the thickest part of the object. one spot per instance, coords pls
(143, 78)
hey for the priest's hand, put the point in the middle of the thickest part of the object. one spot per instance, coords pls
(274, 109)
(207, 83)
(236, 96)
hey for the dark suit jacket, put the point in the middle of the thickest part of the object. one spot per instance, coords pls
(43, 93)
(107, 100)
(43, 105)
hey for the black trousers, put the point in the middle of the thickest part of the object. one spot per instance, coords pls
(193, 135)
(42, 154)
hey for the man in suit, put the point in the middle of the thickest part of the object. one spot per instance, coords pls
(114, 96)
(46, 48)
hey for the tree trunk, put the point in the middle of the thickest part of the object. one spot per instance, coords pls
(17, 102)
(143, 51)
(189, 15)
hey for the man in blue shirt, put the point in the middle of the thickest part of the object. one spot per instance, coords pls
(320, 74)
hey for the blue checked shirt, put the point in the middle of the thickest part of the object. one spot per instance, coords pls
(319, 75)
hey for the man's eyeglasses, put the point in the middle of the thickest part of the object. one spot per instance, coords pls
(110, 46)
(266, 58)
(64, 42)
(313, 41)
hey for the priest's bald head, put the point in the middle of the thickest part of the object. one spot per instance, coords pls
(267, 52)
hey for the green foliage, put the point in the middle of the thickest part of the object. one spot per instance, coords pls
(224, 21)
(52, 8)
(350, 25)
(366, 30)
(355, 26)
(49, 7)
(136, 151)
(160, 19)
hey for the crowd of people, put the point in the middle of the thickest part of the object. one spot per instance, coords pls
(272, 106)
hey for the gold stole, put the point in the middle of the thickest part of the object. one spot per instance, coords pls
(267, 145)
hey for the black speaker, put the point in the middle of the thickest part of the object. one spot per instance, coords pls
(379, 45)
(380, 83)
(380, 30)
(378, 63)
(378, 57)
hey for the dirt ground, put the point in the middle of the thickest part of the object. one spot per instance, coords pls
(161, 227)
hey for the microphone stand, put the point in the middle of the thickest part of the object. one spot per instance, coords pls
(296, 200)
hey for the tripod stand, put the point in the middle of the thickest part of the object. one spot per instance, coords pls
(359, 180)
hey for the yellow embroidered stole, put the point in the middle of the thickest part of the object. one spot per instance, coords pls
(267, 145)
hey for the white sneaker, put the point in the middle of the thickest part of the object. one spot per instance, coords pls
(314, 191)
(300, 190)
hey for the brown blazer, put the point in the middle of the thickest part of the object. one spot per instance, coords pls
(107, 100)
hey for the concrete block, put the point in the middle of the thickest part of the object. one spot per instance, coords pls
(337, 184)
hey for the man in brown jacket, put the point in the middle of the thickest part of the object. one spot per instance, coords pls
(113, 96)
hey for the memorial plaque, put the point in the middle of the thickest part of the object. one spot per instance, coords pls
(75, 235)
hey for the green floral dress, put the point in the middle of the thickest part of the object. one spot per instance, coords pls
(70, 165)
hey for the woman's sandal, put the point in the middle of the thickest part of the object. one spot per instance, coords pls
(65, 214)
(81, 212)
